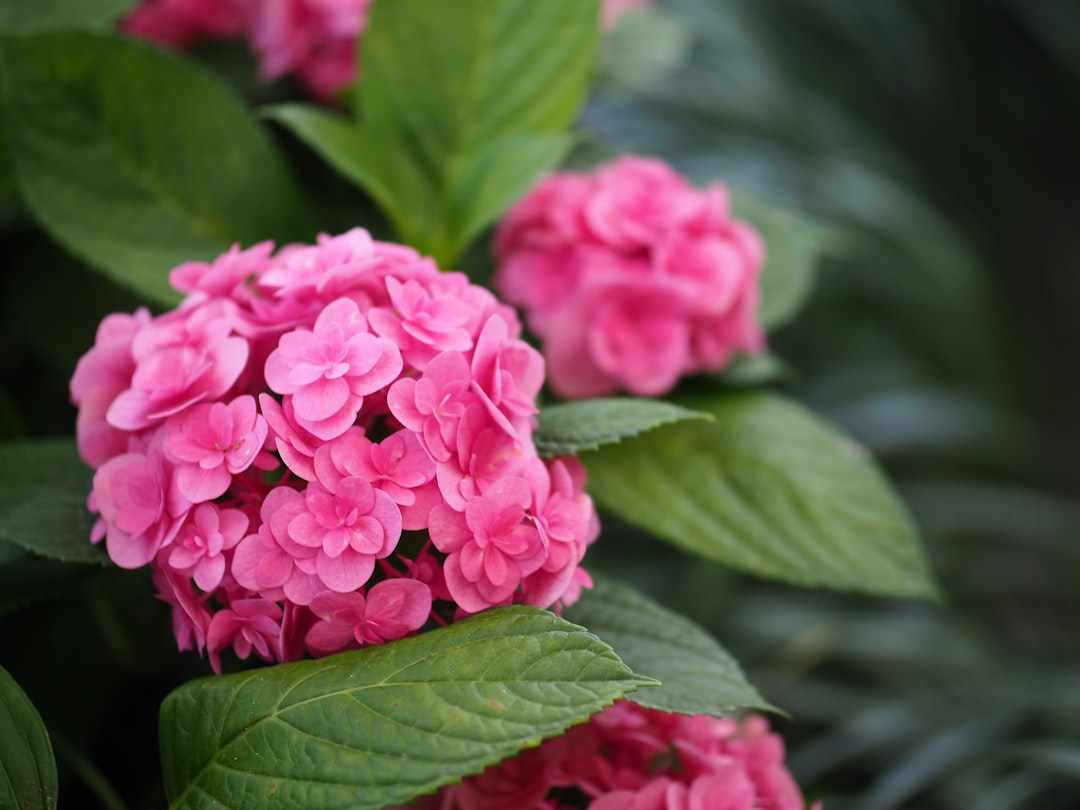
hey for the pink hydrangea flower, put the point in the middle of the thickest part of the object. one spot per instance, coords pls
(632, 758)
(267, 445)
(316, 41)
(181, 23)
(631, 277)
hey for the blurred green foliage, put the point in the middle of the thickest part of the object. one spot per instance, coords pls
(940, 138)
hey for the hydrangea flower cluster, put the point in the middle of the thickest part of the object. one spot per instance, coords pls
(322, 448)
(631, 277)
(632, 758)
(313, 40)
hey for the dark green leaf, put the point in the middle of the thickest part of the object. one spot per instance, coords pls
(43, 490)
(770, 489)
(697, 674)
(41, 15)
(137, 161)
(367, 159)
(570, 427)
(377, 727)
(27, 767)
(793, 246)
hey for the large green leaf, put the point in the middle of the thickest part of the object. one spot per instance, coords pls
(27, 767)
(40, 15)
(570, 427)
(43, 490)
(767, 488)
(376, 727)
(462, 108)
(137, 161)
(697, 674)
(793, 247)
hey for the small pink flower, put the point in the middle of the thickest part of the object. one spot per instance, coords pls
(270, 562)
(212, 442)
(137, 497)
(190, 615)
(490, 546)
(397, 465)
(181, 359)
(247, 625)
(349, 527)
(228, 271)
(328, 370)
(199, 548)
(433, 405)
(101, 374)
(392, 609)
(427, 317)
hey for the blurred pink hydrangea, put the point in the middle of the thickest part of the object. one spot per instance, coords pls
(314, 40)
(325, 447)
(632, 758)
(631, 277)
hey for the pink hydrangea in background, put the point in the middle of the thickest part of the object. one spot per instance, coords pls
(314, 40)
(631, 277)
(632, 758)
(324, 448)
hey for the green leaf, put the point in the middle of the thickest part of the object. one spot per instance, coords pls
(462, 108)
(27, 768)
(570, 427)
(41, 15)
(136, 161)
(770, 489)
(363, 157)
(43, 490)
(697, 675)
(793, 247)
(377, 727)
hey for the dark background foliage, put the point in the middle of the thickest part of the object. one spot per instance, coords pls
(941, 139)
(938, 140)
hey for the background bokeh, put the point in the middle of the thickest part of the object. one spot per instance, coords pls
(939, 140)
